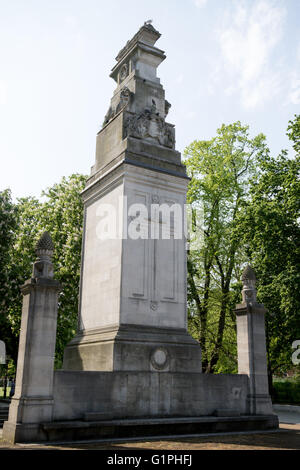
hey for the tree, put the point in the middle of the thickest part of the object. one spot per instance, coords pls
(220, 170)
(8, 225)
(271, 233)
(294, 133)
(61, 214)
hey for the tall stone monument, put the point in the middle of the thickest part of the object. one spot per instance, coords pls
(132, 313)
(132, 369)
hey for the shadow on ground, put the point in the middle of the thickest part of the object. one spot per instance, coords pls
(287, 438)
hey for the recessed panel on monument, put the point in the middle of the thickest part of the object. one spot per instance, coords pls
(101, 262)
(132, 311)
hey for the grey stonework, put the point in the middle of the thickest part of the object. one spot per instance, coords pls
(133, 348)
(251, 342)
(138, 108)
(147, 394)
(133, 292)
(33, 401)
(132, 366)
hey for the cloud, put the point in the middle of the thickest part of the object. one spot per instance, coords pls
(72, 21)
(298, 52)
(179, 78)
(248, 38)
(294, 94)
(3, 92)
(190, 115)
(200, 3)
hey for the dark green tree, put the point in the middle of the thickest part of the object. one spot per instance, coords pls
(220, 170)
(271, 233)
(8, 227)
(61, 214)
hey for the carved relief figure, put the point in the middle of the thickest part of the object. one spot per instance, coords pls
(149, 125)
(125, 96)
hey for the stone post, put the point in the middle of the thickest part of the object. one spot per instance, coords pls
(251, 345)
(33, 399)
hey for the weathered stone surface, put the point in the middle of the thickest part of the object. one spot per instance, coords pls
(33, 398)
(146, 394)
(45, 243)
(132, 368)
(127, 428)
(251, 345)
(132, 348)
(138, 108)
(127, 284)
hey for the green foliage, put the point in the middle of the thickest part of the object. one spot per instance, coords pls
(250, 205)
(287, 391)
(220, 170)
(251, 213)
(271, 233)
(61, 214)
(294, 133)
(8, 225)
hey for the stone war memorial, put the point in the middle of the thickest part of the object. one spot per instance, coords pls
(132, 369)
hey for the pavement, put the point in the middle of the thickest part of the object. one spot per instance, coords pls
(287, 437)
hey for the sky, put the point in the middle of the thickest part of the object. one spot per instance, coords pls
(227, 61)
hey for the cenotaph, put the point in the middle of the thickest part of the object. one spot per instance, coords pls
(132, 313)
(132, 369)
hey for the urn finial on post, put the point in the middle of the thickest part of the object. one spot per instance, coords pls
(44, 249)
(44, 246)
(249, 281)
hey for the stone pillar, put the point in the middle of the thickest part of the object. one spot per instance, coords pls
(251, 345)
(33, 399)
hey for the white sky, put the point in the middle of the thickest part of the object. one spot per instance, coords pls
(227, 60)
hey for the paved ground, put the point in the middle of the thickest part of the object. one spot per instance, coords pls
(286, 438)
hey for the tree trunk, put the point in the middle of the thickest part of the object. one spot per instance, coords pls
(202, 308)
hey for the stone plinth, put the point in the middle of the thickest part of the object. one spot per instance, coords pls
(93, 405)
(133, 291)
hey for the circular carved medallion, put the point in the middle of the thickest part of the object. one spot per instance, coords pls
(123, 72)
(159, 358)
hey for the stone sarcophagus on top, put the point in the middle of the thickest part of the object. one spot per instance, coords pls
(132, 313)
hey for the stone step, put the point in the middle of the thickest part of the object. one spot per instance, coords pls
(98, 416)
(81, 430)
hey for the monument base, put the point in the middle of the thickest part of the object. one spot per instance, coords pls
(96, 405)
(156, 427)
(133, 348)
(260, 404)
(130, 428)
(23, 432)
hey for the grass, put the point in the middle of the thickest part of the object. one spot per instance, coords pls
(2, 392)
(286, 391)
